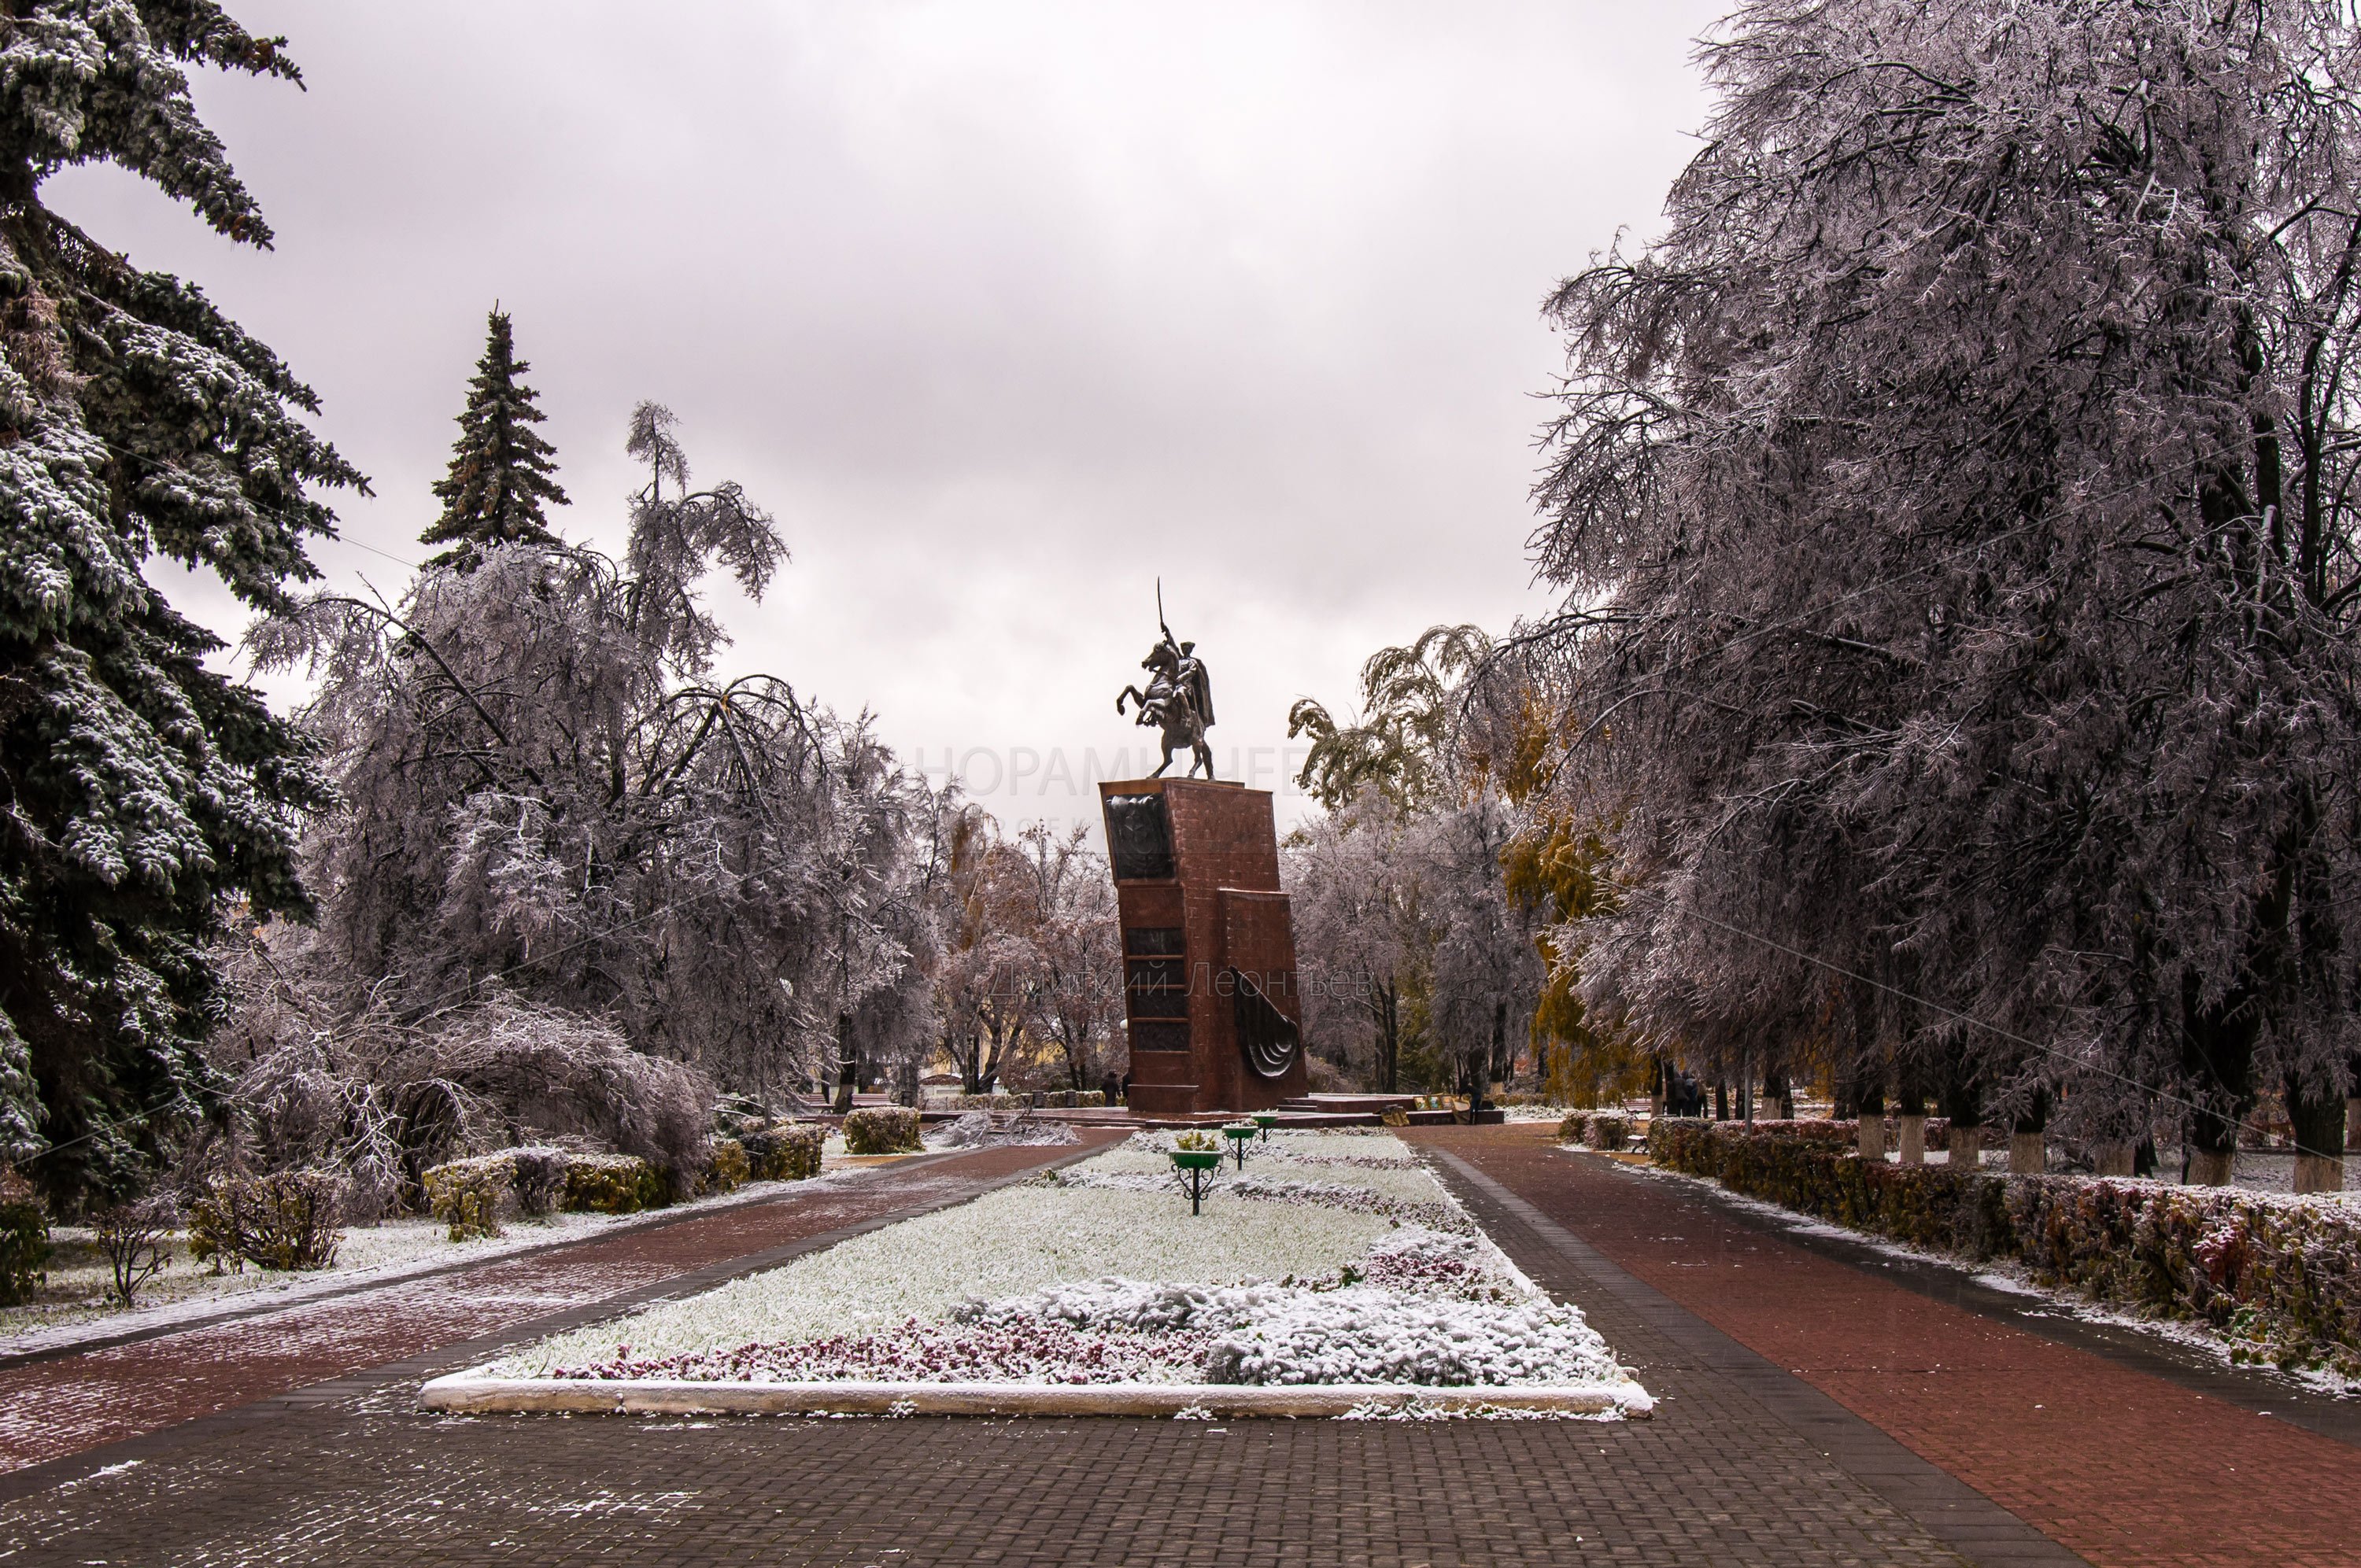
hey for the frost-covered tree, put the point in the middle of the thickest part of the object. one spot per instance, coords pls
(1405, 741)
(871, 950)
(138, 789)
(502, 472)
(1483, 970)
(1955, 504)
(546, 787)
(1360, 935)
(1403, 909)
(984, 905)
(1076, 979)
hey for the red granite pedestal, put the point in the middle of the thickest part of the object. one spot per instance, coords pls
(1209, 952)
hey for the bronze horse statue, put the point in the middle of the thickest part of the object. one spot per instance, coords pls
(1179, 701)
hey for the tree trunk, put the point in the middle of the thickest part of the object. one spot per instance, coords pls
(2207, 1168)
(1910, 1114)
(967, 1059)
(2319, 1172)
(2029, 1149)
(1869, 1104)
(2319, 1136)
(2217, 1049)
(1966, 1146)
(2353, 1124)
(848, 1063)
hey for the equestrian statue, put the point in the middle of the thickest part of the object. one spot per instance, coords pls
(1178, 699)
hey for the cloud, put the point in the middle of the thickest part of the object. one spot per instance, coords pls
(1004, 309)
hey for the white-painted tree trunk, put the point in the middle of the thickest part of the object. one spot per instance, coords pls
(2028, 1153)
(1966, 1146)
(2115, 1159)
(1914, 1139)
(1872, 1142)
(2208, 1170)
(2318, 1173)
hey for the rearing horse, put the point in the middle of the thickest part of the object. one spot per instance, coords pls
(1166, 705)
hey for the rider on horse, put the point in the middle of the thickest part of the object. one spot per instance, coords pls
(1178, 699)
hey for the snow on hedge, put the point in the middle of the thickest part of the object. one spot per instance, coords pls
(1315, 1267)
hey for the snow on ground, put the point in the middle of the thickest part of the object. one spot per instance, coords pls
(1336, 1257)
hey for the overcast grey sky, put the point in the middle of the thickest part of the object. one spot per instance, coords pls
(1002, 309)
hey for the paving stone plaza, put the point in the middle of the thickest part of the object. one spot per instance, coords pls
(1816, 1405)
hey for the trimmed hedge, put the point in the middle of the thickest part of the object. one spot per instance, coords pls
(882, 1129)
(729, 1167)
(2278, 1276)
(468, 1194)
(473, 1196)
(784, 1151)
(614, 1184)
(1597, 1129)
(24, 1238)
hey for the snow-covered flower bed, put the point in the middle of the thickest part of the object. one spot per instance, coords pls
(981, 1129)
(1335, 1258)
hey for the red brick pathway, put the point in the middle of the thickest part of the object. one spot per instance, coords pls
(54, 1408)
(2121, 1466)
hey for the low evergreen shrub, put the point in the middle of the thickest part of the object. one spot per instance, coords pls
(24, 1238)
(1608, 1130)
(289, 1220)
(784, 1151)
(473, 1196)
(468, 1195)
(614, 1184)
(729, 1168)
(882, 1129)
(537, 1177)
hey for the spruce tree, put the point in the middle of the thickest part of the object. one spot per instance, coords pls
(501, 466)
(140, 793)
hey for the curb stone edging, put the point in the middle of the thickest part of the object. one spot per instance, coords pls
(463, 1394)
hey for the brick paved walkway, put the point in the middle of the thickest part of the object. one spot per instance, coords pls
(2122, 1466)
(1746, 1462)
